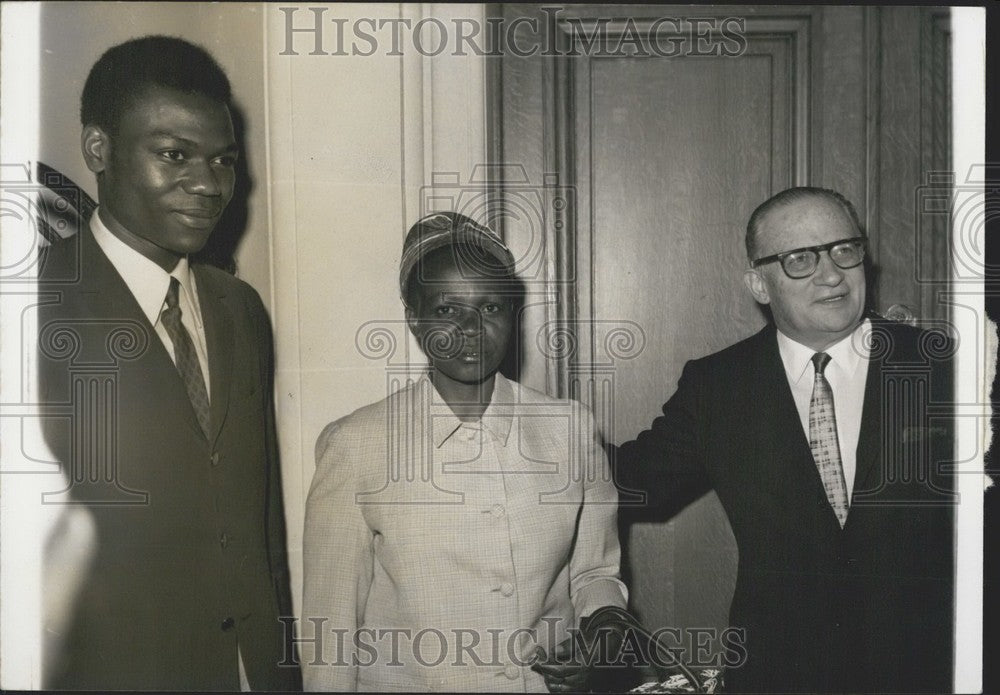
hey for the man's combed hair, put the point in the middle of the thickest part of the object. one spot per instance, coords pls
(792, 195)
(127, 69)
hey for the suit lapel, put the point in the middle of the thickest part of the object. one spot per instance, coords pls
(785, 446)
(104, 288)
(869, 438)
(105, 292)
(785, 443)
(217, 317)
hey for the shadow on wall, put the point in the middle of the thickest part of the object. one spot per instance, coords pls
(513, 361)
(220, 250)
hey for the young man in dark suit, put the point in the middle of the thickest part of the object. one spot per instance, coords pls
(826, 437)
(162, 370)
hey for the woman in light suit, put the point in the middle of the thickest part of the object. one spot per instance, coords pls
(459, 530)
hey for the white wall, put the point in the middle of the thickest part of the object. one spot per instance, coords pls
(352, 141)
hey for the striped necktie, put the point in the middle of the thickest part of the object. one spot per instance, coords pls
(823, 439)
(186, 358)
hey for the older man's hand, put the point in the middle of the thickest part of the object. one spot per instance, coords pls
(564, 670)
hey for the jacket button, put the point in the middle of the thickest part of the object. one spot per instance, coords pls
(498, 511)
(228, 624)
(215, 458)
(512, 672)
(507, 589)
(223, 540)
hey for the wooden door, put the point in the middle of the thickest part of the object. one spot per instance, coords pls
(649, 167)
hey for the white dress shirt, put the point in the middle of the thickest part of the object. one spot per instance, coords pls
(847, 373)
(148, 283)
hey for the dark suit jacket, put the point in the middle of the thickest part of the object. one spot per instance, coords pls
(866, 608)
(190, 531)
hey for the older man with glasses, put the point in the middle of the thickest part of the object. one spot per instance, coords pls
(828, 441)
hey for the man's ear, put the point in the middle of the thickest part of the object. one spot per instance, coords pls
(96, 147)
(755, 283)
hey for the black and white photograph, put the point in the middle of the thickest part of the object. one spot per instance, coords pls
(495, 347)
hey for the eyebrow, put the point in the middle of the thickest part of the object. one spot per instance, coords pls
(468, 299)
(232, 147)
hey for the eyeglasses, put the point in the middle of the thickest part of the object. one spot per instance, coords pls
(801, 263)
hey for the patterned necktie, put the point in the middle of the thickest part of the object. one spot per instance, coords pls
(823, 439)
(185, 357)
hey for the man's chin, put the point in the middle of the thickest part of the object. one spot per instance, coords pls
(187, 241)
(836, 331)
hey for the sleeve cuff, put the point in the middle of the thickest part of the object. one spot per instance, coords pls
(600, 593)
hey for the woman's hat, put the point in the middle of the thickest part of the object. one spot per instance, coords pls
(479, 250)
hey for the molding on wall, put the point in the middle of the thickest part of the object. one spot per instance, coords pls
(932, 248)
(873, 74)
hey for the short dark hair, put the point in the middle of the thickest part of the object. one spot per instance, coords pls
(125, 70)
(792, 195)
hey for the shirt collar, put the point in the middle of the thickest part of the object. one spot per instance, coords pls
(147, 281)
(496, 419)
(844, 354)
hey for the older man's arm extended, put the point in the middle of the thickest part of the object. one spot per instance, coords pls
(664, 466)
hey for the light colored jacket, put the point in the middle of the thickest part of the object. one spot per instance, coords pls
(438, 554)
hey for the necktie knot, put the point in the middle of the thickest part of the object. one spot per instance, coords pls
(820, 360)
(173, 293)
